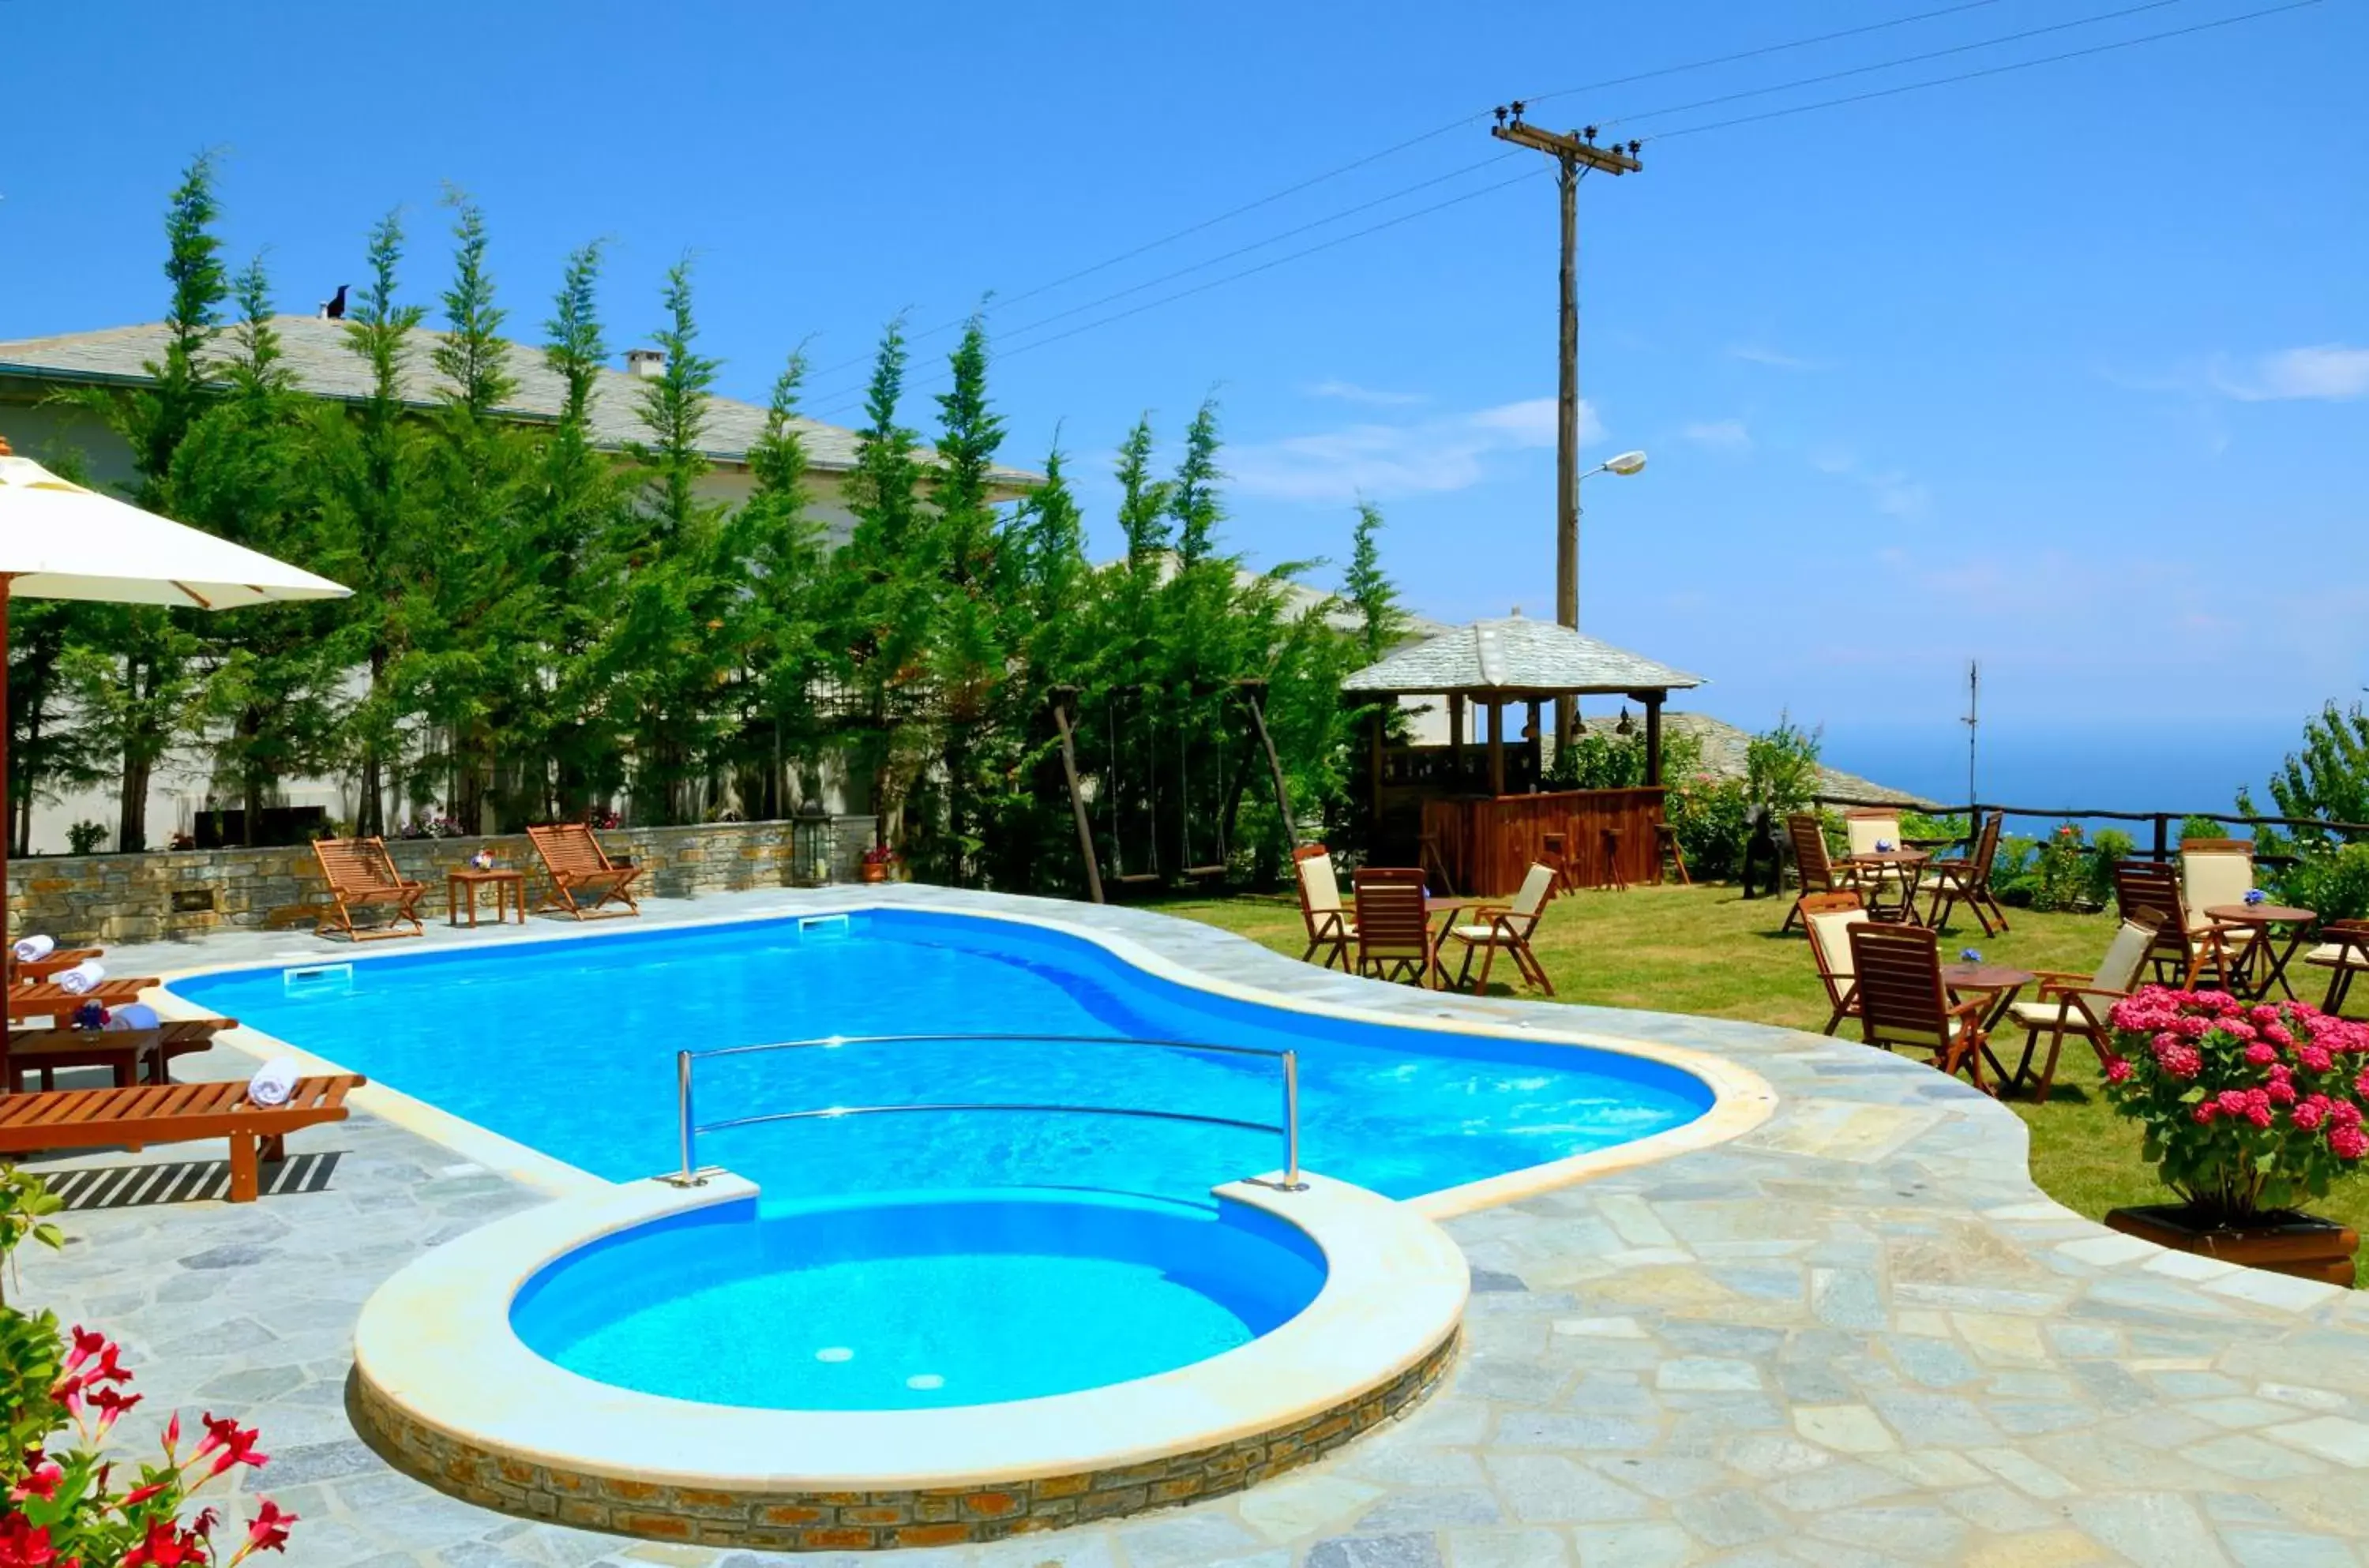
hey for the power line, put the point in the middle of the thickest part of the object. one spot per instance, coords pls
(1988, 71)
(1460, 122)
(1894, 65)
(1224, 257)
(1684, 131)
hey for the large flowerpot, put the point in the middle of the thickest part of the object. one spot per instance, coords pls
(874, 871)
(2299, 1244)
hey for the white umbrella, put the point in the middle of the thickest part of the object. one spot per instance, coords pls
(61, 541)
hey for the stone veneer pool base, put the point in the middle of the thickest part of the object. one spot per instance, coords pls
(856, 1521)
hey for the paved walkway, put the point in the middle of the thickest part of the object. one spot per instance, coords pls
(1856, 1335)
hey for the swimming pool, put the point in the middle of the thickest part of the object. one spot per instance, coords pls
(567, 1047)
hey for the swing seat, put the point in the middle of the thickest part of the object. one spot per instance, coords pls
(1137, 878)
(1207, 871)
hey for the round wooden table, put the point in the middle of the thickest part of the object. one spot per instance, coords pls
(1450, 905)
(2261, 918)
(2001, 983)
(1909, 864)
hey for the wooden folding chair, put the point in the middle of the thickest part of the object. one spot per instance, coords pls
(1330, 929)
(578, 865)
(1829, 918)
(1968, 881)
(363, 875)
(2079, 1005)
(1393, 924)
(1507, 928)
(1902, 1000)
(2186, 946)
(2343, 951)
(1814, 868)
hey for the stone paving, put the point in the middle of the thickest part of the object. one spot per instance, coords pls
(1856, 1335)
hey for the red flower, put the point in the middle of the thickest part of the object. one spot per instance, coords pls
(139, 1494)
(229, 1443)
(23, 1546)
(166, 1547)
(269, 1529)
(2316, 1057)
(87, 1343)
(2348, 1142)
(2311, 1113)
(2118, 1070)
(2260, 1055)
(41, 1479)
(2205, 1112)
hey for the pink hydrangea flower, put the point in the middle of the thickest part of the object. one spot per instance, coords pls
(2348, 1142)
(2316, 1058)
(2277, 1034)
(2205, 1112)
(2118, 1070)
(2311, 1113)
(2262, 1054)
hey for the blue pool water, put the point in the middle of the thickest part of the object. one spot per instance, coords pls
(568, 1047)
(902, 1304)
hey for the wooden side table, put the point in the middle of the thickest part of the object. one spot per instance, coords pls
(509, 893)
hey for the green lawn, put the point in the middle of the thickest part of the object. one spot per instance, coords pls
(1706, 950)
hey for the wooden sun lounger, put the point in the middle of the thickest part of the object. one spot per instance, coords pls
(23, 971)
(47, 999)
(578, 865)
(174, 1113)
(363, 875)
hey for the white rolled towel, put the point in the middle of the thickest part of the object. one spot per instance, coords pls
(139, 1015)
(81, 979)
(34, 947)
(272, 1083)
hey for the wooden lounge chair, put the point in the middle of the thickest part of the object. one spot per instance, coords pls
(578, 867)
(361, 876)
(174, 1113)
(1812, 867)
(1507, 928)
(2079, 1004)
(47, 999)
(1968, 881)
(133, 1055)
(2187, 946)
(1393, 924)
(56, 962)
(1330, 929)
(1829, 918)
(2343, 951)
(1902, 1000)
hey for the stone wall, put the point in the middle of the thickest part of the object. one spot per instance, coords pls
(186, 892)
(860, 1521)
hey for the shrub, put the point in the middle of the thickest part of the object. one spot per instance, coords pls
(85, 838)
(2332, 882)
(2247, 1110)
(2203, 828)
(1711, 817)
(60, 1504)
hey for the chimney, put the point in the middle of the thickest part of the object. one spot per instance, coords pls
(645, 364)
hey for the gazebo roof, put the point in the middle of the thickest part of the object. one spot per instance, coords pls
(1513, 659)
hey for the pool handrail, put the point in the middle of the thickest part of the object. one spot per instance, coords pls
(1288, 1128)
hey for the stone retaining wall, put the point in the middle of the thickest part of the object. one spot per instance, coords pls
(860, 1521)
(186, 892)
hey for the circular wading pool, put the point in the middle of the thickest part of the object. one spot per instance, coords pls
(912, 1370)
(919, 1303)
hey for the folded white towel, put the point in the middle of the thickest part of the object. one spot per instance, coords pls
(272, 1083)
(139, 1015)
(34, 947)
(81, 979)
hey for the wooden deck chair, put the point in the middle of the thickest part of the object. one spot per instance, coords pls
(1869, 830)
(24, 970)
(361, 876)
(1330, 929)
(1829, 918)
(1393, 924)
(2077, 1005)
(1507, 929)
(174, 1113)
(1812, 867)
(2187, 946)
(2216, 872)
(1902, 1000)
(2343, 951)
(47, 999)
(578, 866)
(1968, 881)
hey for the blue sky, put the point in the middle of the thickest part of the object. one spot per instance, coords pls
(2068, 369)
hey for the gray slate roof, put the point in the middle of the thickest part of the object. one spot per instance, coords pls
(1516, 656)
(325, 366)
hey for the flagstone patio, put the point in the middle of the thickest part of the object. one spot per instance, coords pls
(1855, 1334)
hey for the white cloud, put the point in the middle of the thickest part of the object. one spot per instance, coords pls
(1761, 354)
(1350, 391)
(1720, 435)
(1889, 491)
(1423, 456)
(2321, 370)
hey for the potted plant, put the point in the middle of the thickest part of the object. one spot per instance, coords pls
(879, 862)
(2249, 1112)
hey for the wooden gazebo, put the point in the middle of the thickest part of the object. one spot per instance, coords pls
(1475, 814)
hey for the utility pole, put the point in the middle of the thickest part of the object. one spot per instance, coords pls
(1574, 153)
(1973, 722)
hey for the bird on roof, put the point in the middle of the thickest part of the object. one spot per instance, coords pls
(335, 309)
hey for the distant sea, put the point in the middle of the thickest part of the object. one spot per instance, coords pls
(2193, 766)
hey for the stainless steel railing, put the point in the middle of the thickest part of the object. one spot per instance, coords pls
(689, 1128)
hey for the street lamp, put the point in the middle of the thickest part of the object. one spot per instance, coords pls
(1627, 463)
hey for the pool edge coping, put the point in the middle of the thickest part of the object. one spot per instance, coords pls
(1742, 1099)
